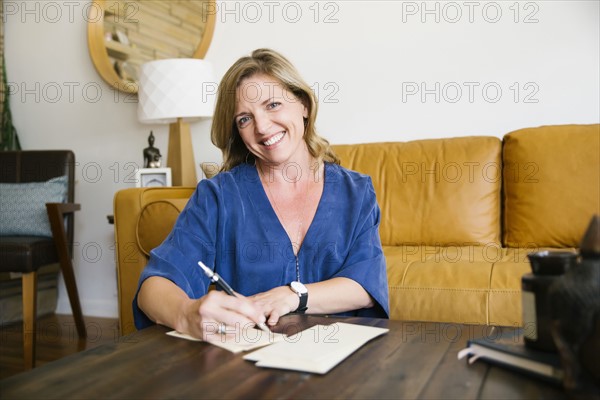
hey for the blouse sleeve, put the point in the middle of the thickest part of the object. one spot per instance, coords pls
(365, 262)
(191, 240)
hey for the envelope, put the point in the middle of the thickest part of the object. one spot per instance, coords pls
(317, 349)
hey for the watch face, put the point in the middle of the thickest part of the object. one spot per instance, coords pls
(298, 287)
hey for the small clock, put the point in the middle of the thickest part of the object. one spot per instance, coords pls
(153, 177)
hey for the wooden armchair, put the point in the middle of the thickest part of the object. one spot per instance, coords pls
(26, 253)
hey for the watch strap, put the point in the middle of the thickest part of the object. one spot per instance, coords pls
(302, 306)
(303, 297)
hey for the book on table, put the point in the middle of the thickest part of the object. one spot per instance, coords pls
(508, 350)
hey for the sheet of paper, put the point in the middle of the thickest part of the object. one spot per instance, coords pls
(317, 349)
(243, 340)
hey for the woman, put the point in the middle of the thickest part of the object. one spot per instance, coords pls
(286, 226)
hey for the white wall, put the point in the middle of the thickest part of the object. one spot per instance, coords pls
(366, 63)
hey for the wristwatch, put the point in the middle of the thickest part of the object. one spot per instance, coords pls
(302, 293)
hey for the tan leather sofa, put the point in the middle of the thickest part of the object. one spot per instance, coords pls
(459, 217)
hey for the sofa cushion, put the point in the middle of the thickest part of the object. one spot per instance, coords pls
(465, 284)
(156, 222)
(433, 192)
(551, 184)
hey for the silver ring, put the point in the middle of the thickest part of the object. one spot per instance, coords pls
(221, 329)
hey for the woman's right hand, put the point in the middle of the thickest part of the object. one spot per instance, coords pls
(209, 316)
(167, 304)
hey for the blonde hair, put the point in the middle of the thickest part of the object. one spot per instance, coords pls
(224, 132)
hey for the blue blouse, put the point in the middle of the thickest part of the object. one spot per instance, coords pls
(229, 223)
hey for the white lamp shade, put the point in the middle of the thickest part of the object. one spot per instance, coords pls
(175, 88)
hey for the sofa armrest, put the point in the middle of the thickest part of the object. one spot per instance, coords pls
(130, 257)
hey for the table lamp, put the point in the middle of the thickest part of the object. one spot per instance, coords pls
(170, 91)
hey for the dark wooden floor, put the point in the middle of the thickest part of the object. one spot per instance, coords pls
(57, 338)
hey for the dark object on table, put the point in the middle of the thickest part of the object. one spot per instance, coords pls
(551, 262)
(151, 154)
(575, 301)
(547, 267)
(509, 351)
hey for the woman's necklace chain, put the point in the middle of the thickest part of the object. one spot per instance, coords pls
(295, 245)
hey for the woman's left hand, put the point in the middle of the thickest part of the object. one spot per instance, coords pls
(277, 302)
(326, 297)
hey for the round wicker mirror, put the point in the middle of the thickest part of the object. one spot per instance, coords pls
(123, 34)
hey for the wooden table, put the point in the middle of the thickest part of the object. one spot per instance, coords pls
(414, 360)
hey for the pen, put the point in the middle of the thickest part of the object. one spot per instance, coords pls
(217, 280)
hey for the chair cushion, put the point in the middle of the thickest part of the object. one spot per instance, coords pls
(26, 253)
(23, 206)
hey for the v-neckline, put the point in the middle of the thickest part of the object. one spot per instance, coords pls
(265, 208)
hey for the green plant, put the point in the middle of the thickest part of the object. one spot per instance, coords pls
(9, 139)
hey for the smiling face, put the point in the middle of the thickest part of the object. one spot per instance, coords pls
(270, 120)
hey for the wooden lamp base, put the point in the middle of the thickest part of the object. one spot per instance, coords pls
(180, 157)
